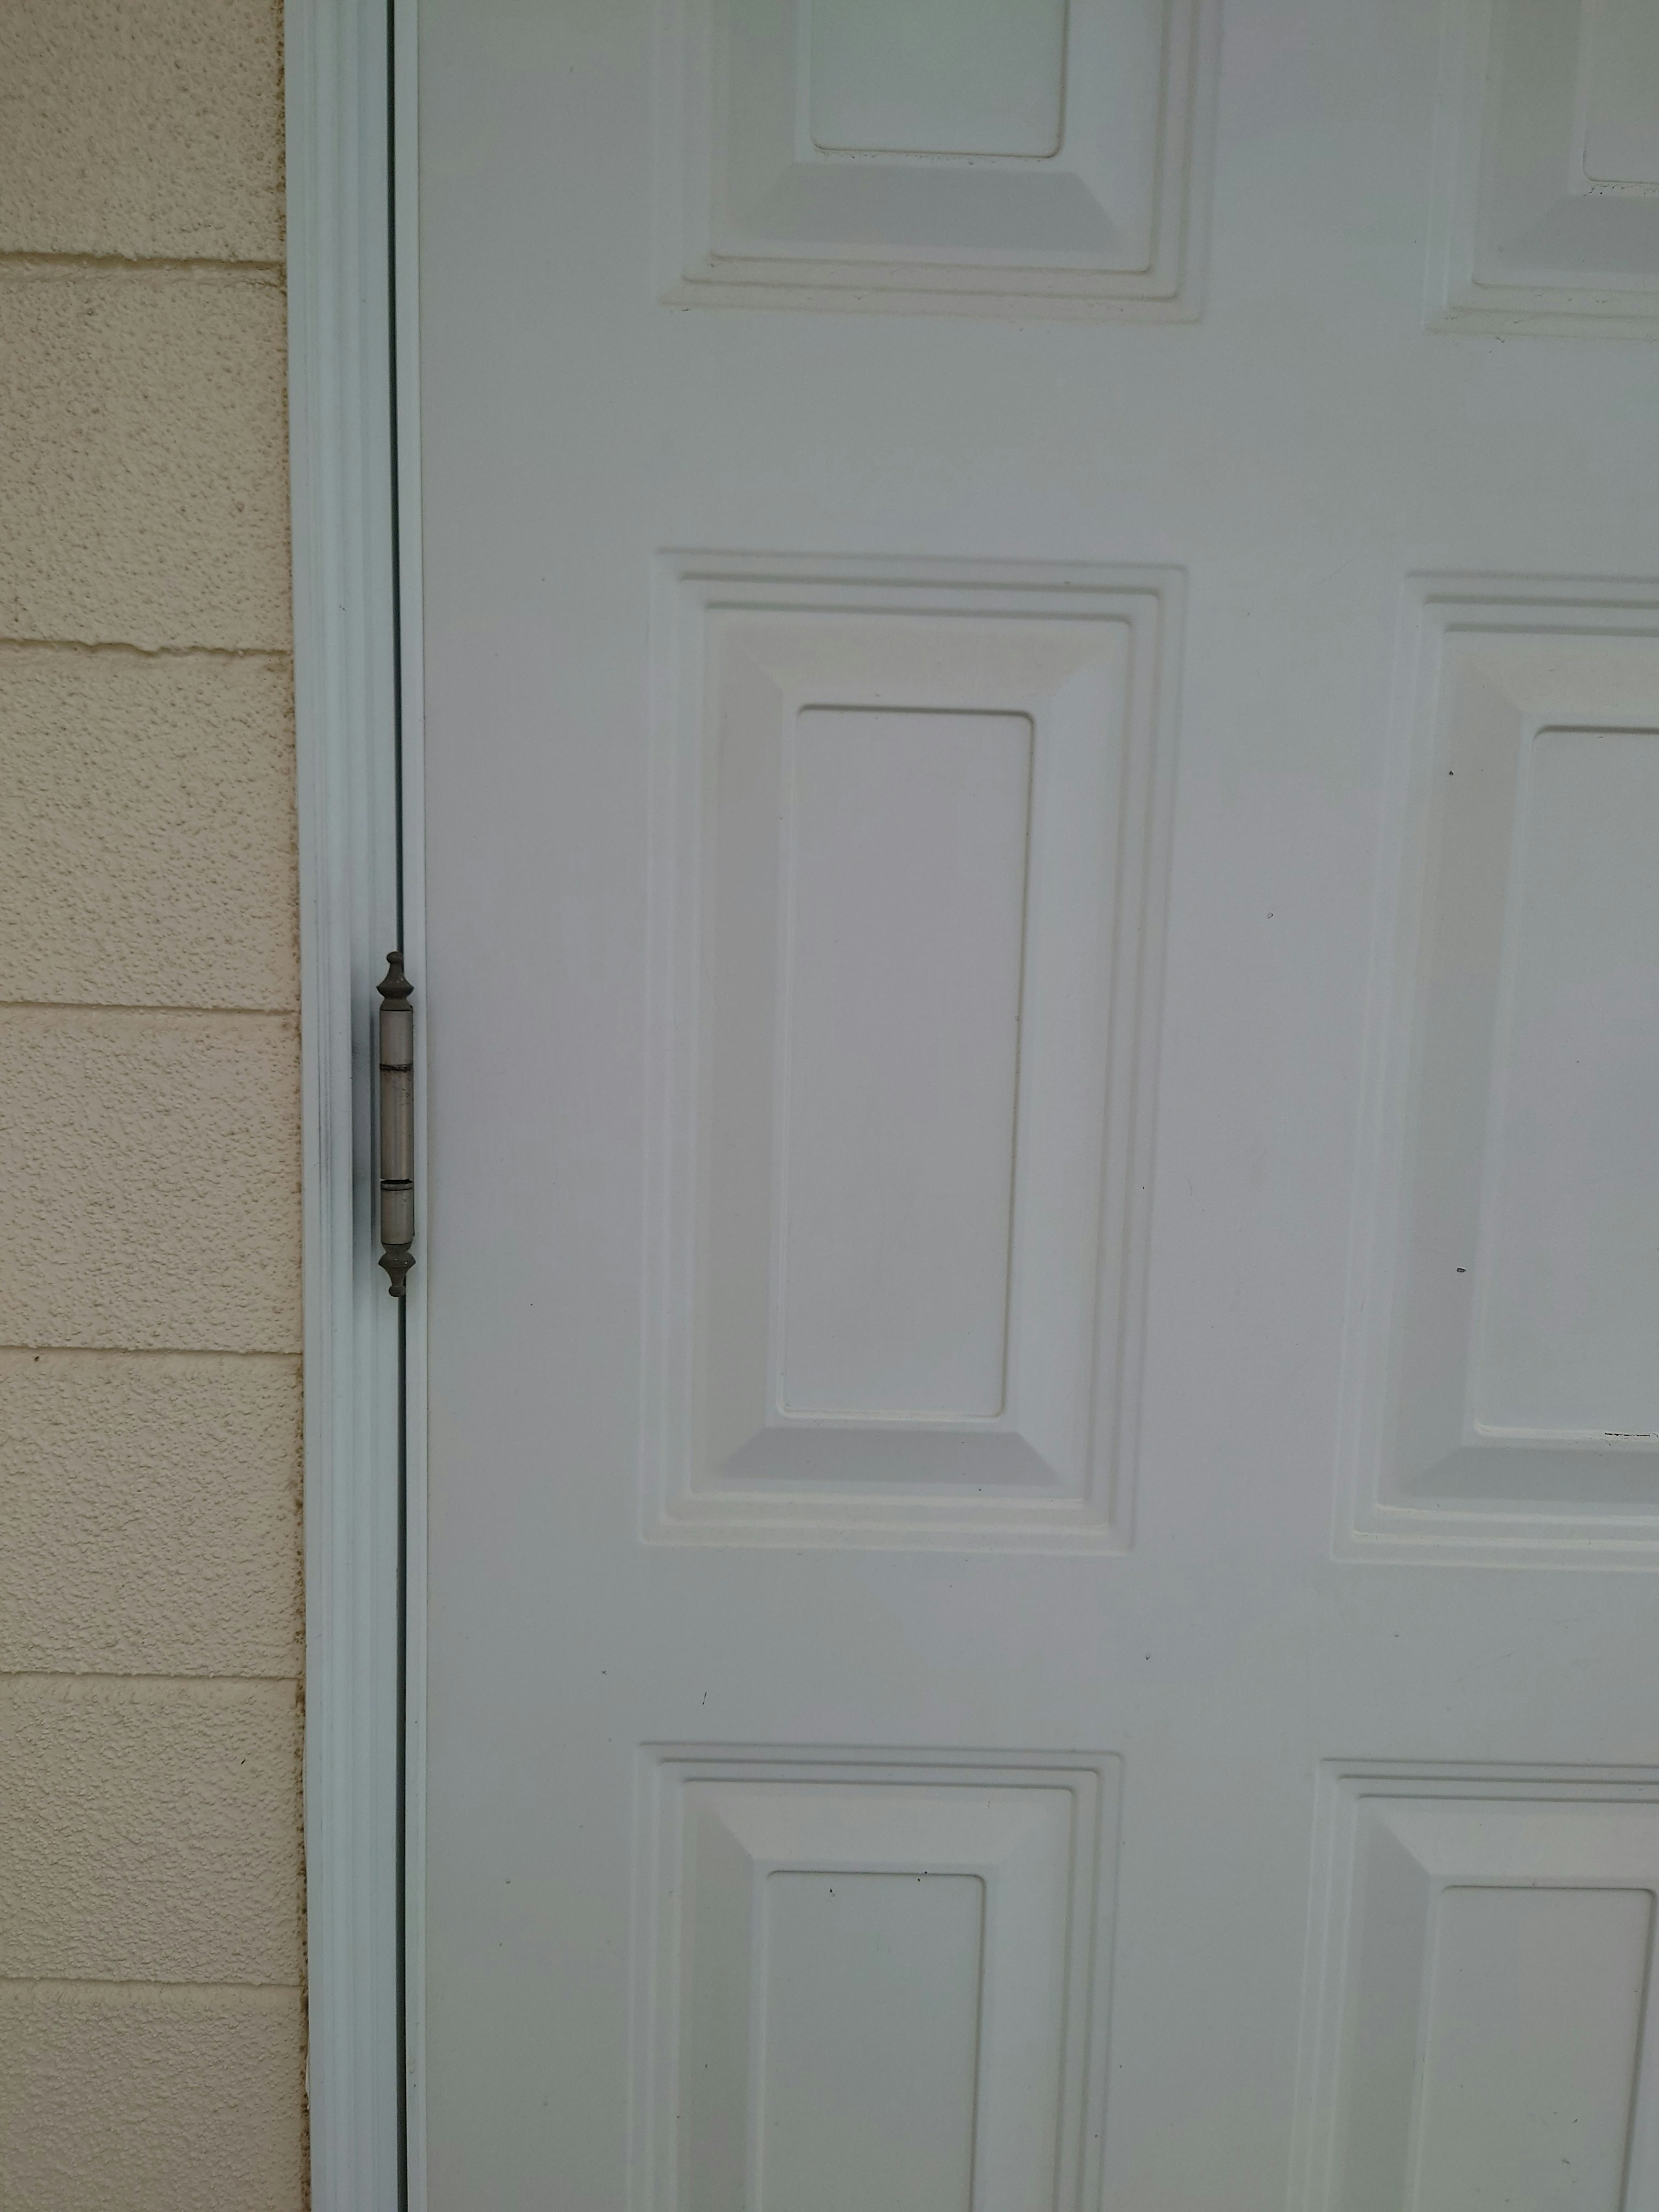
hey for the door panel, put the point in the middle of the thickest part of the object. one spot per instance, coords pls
(1547, 214)
(938, 157)
(1042, 1017)
(1504, 1331)
(908, 1955)
(896, 1250)
(1484, 2032)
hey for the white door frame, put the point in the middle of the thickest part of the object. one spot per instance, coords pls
(353, 464)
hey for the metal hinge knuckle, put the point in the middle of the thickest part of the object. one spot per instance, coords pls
(397, 1054)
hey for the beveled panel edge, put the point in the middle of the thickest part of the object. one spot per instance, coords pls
(1183, 194)
(1340, 1787)
(1453, 301)
(1433, 604)
(660, 1772)
(688, 586)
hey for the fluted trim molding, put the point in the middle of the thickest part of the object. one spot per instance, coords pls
(340, 300)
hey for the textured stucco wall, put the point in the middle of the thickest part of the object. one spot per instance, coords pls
(151, 2012)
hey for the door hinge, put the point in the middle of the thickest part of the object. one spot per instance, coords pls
(396, 1043)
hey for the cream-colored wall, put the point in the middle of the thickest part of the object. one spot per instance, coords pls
(151, 2012)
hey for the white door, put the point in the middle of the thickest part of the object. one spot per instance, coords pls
(1043, 754)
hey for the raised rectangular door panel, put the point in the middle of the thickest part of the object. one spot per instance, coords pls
(871, 1979)
(1547, 214)
(1507, 1302)
(898, 1206)
(1047, 157)
(1481, 2032)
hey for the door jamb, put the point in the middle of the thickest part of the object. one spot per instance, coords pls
(354, 469)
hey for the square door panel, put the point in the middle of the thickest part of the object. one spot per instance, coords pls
(1043, 155)
(1507, 1302)
(1482, 2029)
(913, 821)
(871, 1979)
(1548, 215)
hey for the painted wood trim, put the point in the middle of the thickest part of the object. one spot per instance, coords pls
(405, 254)
(346, 696)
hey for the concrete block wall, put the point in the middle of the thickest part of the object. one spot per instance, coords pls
(151, 2000)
